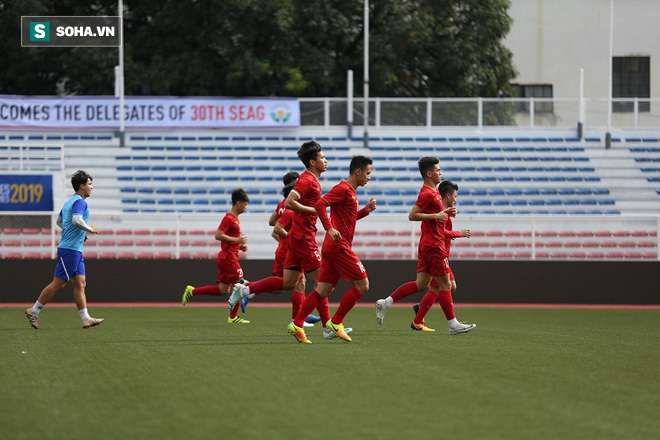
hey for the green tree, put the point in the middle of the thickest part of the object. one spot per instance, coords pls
(440, 48)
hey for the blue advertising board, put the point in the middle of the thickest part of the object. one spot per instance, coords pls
(24, 192)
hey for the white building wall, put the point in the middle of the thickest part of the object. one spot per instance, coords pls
(552, 39)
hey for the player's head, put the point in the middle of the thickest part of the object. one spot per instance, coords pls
(429, 169)
(312, 156)
(239, 200)
(449, 192)
(81, 182)
(289, 177)
(287, 189)
(361, 168)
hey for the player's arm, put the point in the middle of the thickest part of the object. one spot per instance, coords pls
(293, 204)
(416, 215)
(457, 234)
(321, 211)
(221, 235)
(369, 207)
(60, 221)
(273, 218)
(279, 231)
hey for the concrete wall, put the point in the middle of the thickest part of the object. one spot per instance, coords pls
(478, 281)
(552, 39)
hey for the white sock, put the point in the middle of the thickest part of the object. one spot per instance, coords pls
(251, 295)
(389, 301)
(453, 322)
(84, 315)
(36, 308)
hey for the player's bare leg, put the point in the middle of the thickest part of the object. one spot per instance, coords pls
(79, 284)
(45, 297)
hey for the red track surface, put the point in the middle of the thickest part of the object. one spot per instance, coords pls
(403, 304)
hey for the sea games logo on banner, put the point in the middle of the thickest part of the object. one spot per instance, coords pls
(280, 113)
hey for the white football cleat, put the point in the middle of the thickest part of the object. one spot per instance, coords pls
(381, 309)
(461, 328)
(92, 322)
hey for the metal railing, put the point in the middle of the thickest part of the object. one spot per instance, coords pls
(483, 112)
(379, 236)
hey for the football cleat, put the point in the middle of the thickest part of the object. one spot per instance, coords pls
(298, 333)
(307, 324)
(312, 319)
(237, 320)
(32, 317)
(381, 309)
(461, 328)
(236, 293)
(187, 295)
(92, 322)
(421, 327)
(244, 302)
(328, 334)
(338, 329)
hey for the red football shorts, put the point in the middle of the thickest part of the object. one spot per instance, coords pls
(229, 271)
(302, 255)
(451, 277)
(433, 260)
(344, 264)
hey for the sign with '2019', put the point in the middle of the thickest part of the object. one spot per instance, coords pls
(26, 192)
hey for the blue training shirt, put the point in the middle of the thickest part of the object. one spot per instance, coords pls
(72, 236)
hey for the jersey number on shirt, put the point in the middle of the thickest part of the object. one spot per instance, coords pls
(359, 263)
(318, 256)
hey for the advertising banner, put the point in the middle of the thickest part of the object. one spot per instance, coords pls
(26, 192)
(102, 112)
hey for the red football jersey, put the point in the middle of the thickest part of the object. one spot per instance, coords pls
(343, 203)
(232, 227)
(430, 202)
(450, 234)
(285, 220)
(308, 188)
(280, 208)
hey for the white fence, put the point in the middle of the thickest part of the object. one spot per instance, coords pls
(628, 113)
(378, 236)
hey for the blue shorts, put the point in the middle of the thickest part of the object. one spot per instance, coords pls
(69, 264)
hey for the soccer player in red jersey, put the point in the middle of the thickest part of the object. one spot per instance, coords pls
(229, 270)
(448, 191)
(303, 253)
(339, 260)
(432, 258)
(289, 178)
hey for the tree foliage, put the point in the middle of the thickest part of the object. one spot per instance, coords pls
(439, 48)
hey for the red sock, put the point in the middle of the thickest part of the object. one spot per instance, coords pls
(310, 303)
(425, 306)
(206, 290)
(404, 290)
(234, 311)
(348, 301)
(447, 303)
(270, 284)
(324, 310)
(297, 299)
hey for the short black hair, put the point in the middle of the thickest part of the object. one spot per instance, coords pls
(79, 178)
(309, 151)
(287, 189)
(360, 162)
(426, 164)
(239, 195)
(289, 177)
(446, 187)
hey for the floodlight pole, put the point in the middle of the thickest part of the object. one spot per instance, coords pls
(122, 139)
(366, 73)
(580, 125)
(349, 102)
(608, 135)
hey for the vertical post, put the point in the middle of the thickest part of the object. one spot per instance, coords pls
(480, 112)
(326, 113)
(349, 103)
(122, 139)
(531, 112)
(53, 225)
(429, 113)
(377, 113)
(608, 135)
(177, 235)
(580, 124)
(366, 73)
(636, 112)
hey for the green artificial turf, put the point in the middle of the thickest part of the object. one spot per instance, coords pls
(161, 373)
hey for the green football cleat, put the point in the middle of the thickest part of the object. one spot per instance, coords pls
(298, 333)
(339, 330)
(237, 320)
(187, 295)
